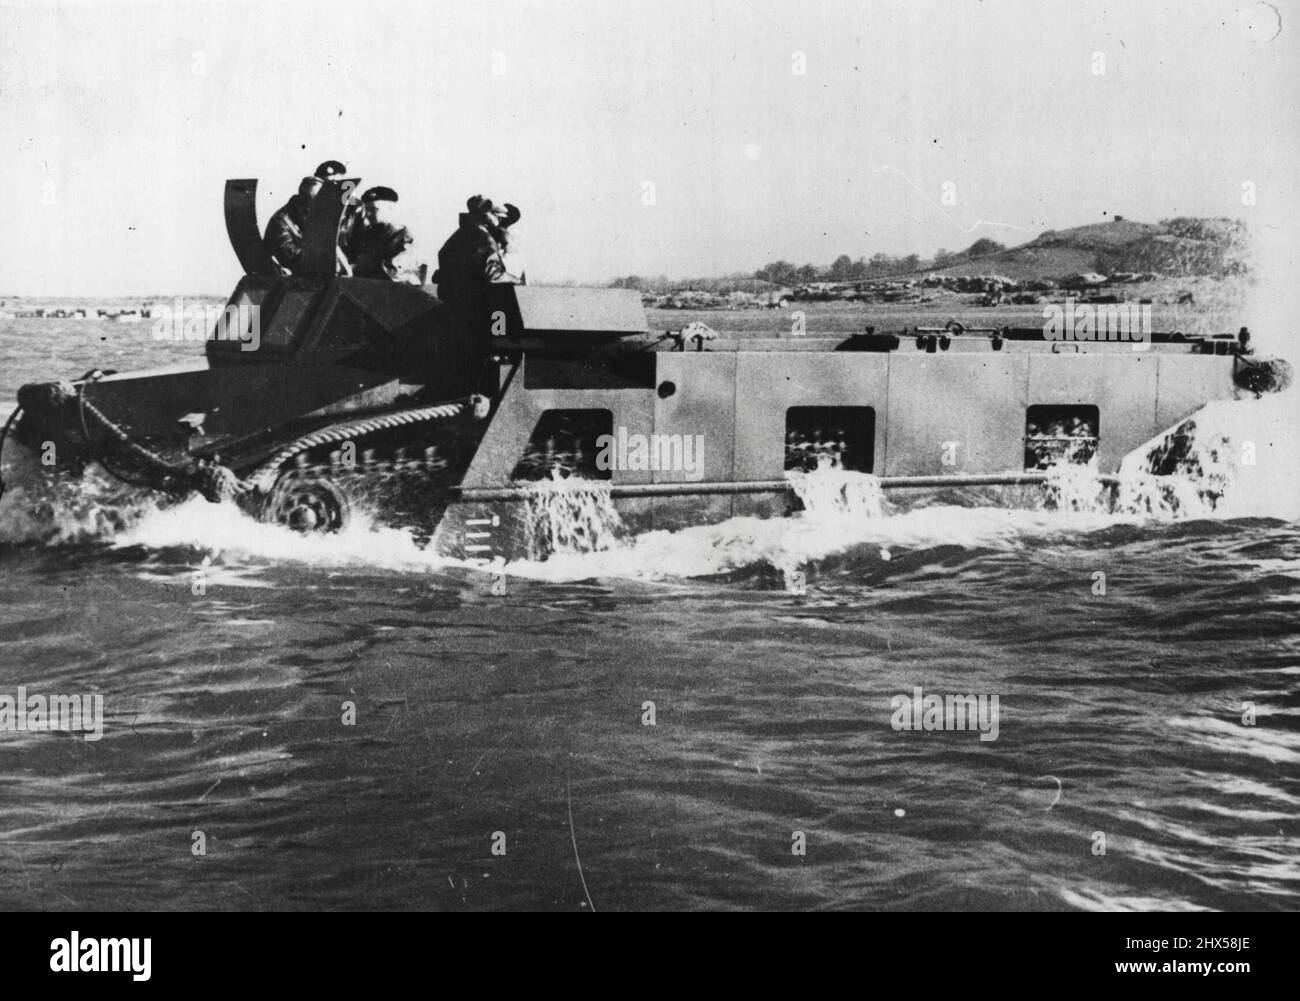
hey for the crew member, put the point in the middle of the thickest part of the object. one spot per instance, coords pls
(474, 256)
(374, 240)
(283, 237)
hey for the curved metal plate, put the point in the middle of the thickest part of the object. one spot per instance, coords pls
(241, 226)
(320, 237)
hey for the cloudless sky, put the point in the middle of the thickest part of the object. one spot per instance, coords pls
(674, 136)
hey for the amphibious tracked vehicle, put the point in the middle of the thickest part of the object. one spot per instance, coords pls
(332, 393)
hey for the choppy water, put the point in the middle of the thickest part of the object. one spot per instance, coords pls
(523, 712)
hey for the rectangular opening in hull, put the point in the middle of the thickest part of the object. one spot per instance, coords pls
(1060, 436)
(563, 444)
(843, 437)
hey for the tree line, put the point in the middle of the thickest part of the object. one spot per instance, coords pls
(843, 269)
(846, 269)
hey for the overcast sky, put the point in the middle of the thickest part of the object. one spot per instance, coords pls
(119, 123)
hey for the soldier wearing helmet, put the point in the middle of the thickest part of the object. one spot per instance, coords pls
(374, 240)
(283, 236)
(474, 256)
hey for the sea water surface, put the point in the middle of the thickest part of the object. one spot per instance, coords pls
(501, 753)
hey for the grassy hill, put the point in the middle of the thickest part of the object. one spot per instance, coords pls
(1182, 247)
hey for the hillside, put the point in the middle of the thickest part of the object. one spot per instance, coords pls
(1175, 247)
(1164, 261)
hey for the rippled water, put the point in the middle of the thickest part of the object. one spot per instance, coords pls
(1120, 714)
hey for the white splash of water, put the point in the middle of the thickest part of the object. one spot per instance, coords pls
(830, 491)
(1074, 488)
(1231, 458)
(40, 509)
(570, 516)
(836, 505)
(226, 533)
(1139, 496)
(788, 544)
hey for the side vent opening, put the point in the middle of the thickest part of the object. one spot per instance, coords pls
(1060, 436)
(842, 437)
(563, 444)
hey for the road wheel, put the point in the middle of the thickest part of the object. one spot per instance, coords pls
(307, 505)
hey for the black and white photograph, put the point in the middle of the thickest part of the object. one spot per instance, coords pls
(690, 455)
